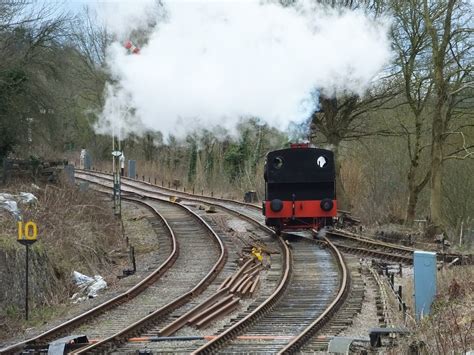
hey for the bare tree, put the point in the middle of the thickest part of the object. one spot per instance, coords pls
(344, 117)
(91, 39)
(29, 36)
(448, 24)
(411, 42)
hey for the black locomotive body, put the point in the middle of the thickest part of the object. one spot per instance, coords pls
(300, 188)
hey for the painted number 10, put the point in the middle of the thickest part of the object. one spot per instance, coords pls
(27, 232)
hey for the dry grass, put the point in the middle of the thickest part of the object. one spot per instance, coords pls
(449, 328)
(76, 231)
(79, 226)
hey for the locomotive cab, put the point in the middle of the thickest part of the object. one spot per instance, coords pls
(300, 188)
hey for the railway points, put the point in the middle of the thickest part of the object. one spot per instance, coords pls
(236, 332)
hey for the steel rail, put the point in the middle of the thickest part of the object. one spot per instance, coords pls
(137, 327)
(405, 259)
(263, 308)
(188, 195)
(107, 305)
(448, 257)
(401, 249)
(296, 343)
(368, 241)
(232, 332)
(149, 194)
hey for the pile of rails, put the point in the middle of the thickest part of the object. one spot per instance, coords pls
(243, 283)
(245, 280)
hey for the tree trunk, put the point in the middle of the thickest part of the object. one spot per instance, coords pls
(436, 183)
(412, 198)
(440, 38)
(414, 188)
(439, 117)
(192, 163)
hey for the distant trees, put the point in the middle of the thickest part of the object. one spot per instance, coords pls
(52, 76)
(150, 141)
(343, 117)
(26, 41)
(209, 159)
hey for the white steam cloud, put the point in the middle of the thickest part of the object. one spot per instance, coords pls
(213, 62)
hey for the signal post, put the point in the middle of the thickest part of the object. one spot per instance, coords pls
(116, 167)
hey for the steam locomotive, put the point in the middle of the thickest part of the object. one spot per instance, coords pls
(300, 188)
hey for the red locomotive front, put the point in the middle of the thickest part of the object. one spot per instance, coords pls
(300, 188)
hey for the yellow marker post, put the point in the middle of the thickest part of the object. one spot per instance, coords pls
(27, 235)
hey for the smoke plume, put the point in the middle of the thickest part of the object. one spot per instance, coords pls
(211, 63)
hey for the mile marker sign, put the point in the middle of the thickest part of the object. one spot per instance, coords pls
(27, 234)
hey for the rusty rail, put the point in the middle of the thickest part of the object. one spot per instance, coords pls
(404, 253)
(148, 321)
(103, 307)
(405, 259)
(189, 196)
(238, 327)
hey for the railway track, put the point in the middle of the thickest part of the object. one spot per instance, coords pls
(367, 248)
(313, 285)
(346, 241)
(199, 263)
(293, 337)
(178, 326)
(308, 287)
(187, 276)
(359, 245)
(293, 302)
(250, 333)
(248, 209)
(344, 317)
(263, 304)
